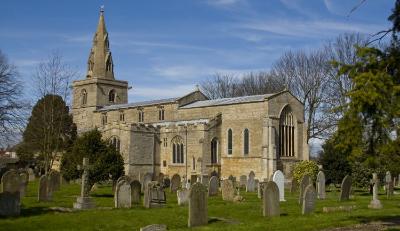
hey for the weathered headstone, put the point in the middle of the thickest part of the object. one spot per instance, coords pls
(213, 186)
(309, 199)
(154, 196)
(182, 196)
(390, 189)
(205, 180)
(375, 202)
(250, 186)
(10, 204)
(279, 179)
(345, 188)
(228, 190)
(198, 212)
(260, 189)
(321, 194)
(84, 201)
(24, 180)
(305, 181)
(123, 195)
(43, 191)
(154, 227)
(271, 199)
(175, 182)
(125, 178)
(135, 189)
(166, 182)
(10, 181)
(31, 174)
(388, 184)
(294, 186)
(242, 181)
(160, 178)
(146, 179)
(55, 180)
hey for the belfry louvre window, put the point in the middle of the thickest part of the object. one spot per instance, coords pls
(246, 141)
(229, 141)
(286, 133)
(141, 115)
(111, 96)
(177, 150)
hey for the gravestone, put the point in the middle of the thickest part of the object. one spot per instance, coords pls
(166, 182)
(375, 202)
(43, 191)
(213, 186)
(55, 180)
(345, 188)
(271, 199)
(205, 180)
(125, 178)
(24, 180)
(228, 190)
(256, 184)
(305, 181)
(154, 196)
(309, 199)
(198, 213)
(182, 196)
(146, 179)
(230, 177)
(84, 201)
(193, 179)
(10, 181)
(135, 189)
(279, 179)
(31, 174)
(294, 186)
(388, 184)
(260, 189)
(250, 187)
(160, 178)
(390, 189)
(10, 204)
(175, 182)
(123, 195)
(321, 194)
(242, 181)
(154, 227)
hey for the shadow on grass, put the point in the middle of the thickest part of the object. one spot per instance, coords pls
(388, 220)
(34, 211)
(102, 195)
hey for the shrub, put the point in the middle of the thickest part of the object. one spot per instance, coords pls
(303, 168)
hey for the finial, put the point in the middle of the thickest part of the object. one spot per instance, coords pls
(102, 8)
(197, 88)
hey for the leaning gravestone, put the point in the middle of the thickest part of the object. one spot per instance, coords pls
(271, 199)
(43, 192)
(305, 181)
(175, 182)
(123, 195)
(154, 196)
(10, 181)
(242, 181)
(182, 196)
(250, 187)
(309, 198)
(10, 204)
(345, 188)
(213, 186)
(279, 179)
(228, 190)
(321, 194)
(135, 190)
(375, 202)
(198, 213)
(146, 179)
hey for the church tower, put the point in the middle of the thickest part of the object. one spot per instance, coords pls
(99, 88)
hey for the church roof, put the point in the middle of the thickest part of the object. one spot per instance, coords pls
(227, 101)
(138, 104)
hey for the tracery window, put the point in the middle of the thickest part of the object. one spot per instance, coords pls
(230, 141)
(116, 143)
(177, 150)
(246, 141)
(286, 133)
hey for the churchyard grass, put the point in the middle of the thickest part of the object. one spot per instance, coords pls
(223, 215)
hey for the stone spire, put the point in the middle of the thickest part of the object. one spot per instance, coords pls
(100, 63)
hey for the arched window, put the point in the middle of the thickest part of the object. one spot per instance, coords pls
(111, 96)
(161, 113)
(177, 150)
(141, 115)
(229, 141)
(104, 119)
(194, 163)
(84, 97)
(286, 132)
(116, 143)
(214, 151)
(246, 141)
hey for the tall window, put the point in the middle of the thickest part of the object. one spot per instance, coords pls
(230, 141)
(177, 150)
(214, 151)
(84, 97)
(141, 115)
(116, 143)
(194, 163)
(286, 133)
(161, 113)
(104, 119)
(111, 96)
(121, 116)
(246, 141)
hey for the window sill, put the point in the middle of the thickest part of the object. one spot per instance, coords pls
(177, 165)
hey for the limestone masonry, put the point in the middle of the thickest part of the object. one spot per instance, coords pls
(189, 135)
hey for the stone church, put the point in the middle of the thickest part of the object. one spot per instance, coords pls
(188, 135)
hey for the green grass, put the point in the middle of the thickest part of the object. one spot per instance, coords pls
(238, 216)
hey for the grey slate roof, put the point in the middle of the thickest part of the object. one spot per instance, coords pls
(227, 101)
(138, 104)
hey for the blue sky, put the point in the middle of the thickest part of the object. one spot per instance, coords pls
(164, 48)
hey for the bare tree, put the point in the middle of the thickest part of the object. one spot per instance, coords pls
(221, 86)
(12, 109)
(260, 83)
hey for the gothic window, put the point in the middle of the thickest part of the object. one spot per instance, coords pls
(116, 143)
(161, 113)
(229, 141)
(214, 151)
(194, 163)
(141, 115)
(246, 141)
(104, 119)
(177, 150)
(84, 97)
(121, 116)
(165, 142)
(286, 133)
(111, 96)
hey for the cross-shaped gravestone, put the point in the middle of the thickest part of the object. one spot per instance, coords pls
(84, 201)
(375, 203)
